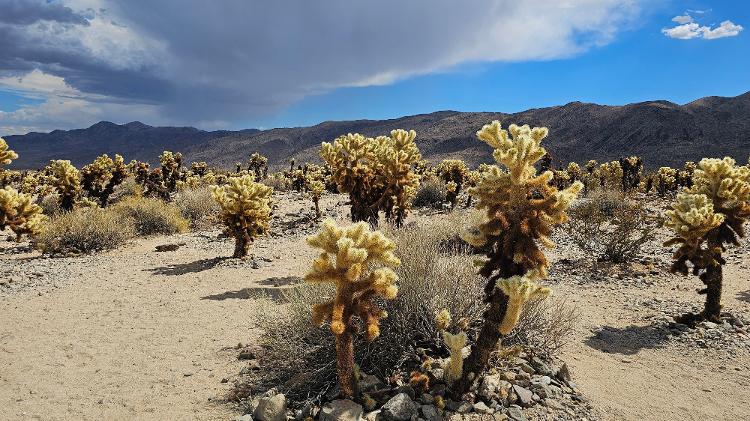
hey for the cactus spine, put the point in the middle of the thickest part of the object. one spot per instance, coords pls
(245, 210)
(706, 217)
(521, 209)
(358, 262)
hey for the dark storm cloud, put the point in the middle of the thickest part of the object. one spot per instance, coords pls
(25, 12)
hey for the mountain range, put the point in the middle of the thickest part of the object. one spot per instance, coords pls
(662, 132)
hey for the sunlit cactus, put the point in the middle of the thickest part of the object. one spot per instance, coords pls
(315, 188)
(574, 171)
(357, 261)
(397, 156)
(66, 179)
(611, 175)
(199, 169)
(705, 218)
(171, 163)
(258, 165)
(632, 172)
(6, 155)
(455, 344)
(521, 208)
(452, 171)
(665, 181)
(19, 213)
(100, 178)
(245, 210)
(685, 175)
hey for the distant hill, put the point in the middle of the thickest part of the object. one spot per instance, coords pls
(662, 132)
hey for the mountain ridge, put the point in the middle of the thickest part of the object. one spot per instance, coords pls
(662, 132)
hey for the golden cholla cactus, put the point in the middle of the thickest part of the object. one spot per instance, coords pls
(632, 172)
(100, 178)
(705, 218)
(66, 180)
(443, 319)
(574, 171)
(19, 213)
(245, 210)
(521, 208)
(611, 174)
(6, 155)
(316, 187)
(358, 262)
(666, 180)
(452, 171)
(519, 290)
(258, 165)
(171, 164)
(455, 366)
(398, 156)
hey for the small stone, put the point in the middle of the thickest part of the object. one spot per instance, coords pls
(271, 408)
(563, 373)
(341, 410)
(464, 408)
(710, 325)
(246, 417)
(509, 376)
(427, 398)
(369, 383)
(372, 416)
(481, 408)
(515, 413)
(527, 368)
(541, 366)
(429, 412)
(399, 408)
(525, 396)
(553, 404)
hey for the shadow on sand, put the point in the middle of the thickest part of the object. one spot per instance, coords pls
(744, 296)
(191, 267)
(629, 340)
(272, 288)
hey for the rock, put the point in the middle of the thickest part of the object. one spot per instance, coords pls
(271, 408)
(515, 413)
(464, 408)
(563, 373)
(527, 367)
(427, 398)
(246, 417)
(509, 376)
(481, 408)
(368, 383)
(372, 416)
(525, 397)
(399, 408)
(540, 366)
(541, 380)
(341, 410)
(430, 413)
(549, 391)
(489, 387)
(553, 404)
(710, 325)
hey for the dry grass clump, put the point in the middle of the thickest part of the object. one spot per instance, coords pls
(126, 189)
(151, 216)
(50, 204)
(84, 230)
(198, 207)
(436, 273)
(610, 226)
(431, 193)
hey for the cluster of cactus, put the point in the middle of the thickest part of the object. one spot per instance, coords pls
(66, 181)
(6, 155)
(521, 208)
(163, 181)
(315, 186)
(245, 210)
(705, 218)
(357, 261)
(19, 213)
(100, 178)
(377, 174)
(632, 172)
(258, 165)
(453, 172)
(665, 181)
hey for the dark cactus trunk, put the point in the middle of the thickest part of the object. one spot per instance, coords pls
(345, 364)
(241, 244)
(713, 279)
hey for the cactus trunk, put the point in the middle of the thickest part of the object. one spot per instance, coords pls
(713, 279)
(241, 244)
(345, 364)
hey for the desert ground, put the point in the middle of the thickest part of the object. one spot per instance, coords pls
(139, 334)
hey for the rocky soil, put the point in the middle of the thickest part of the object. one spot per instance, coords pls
(140, 334)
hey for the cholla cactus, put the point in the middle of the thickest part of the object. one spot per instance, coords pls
(315, 187)
(455, 366)
(258, 165)
(685, 175)
(66, 180)
(611, 174)
(358, 262)
(665, 180)
(100, 178)
(452, 171)
(245, 210)
(199, 169)
(18, 213)
(705, 218)
(397, 156)
(632, 169)
(6, 155)
(521, 210)
(171, 164)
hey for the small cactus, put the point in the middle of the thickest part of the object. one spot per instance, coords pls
(245, 210)
(358, 262)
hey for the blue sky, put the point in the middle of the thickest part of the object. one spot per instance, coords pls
(71, 63)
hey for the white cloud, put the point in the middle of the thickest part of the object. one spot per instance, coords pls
(689, 29)
(199, 64)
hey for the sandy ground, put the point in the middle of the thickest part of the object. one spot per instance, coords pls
(136, 334)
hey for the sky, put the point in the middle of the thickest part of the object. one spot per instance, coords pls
(232, 64)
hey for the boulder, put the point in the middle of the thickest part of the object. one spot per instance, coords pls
(399, 408)
(272, 408)
(341, 410)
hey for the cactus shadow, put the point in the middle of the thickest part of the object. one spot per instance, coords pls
(628, 340)
(190, 267)
(272, 288)
(744, 296)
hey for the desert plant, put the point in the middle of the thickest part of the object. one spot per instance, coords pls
(100, 178)
(151, 216)
(397, 156)
(452, 171)
(361, 271)
(6, 154)
(632, 169)
(84, 230)
(171, 164)
(431, 193)
(609, 226)
(315, 188)
(705, 218)
(521, 209)
(258, 165)
(197, 206)
(245, 210)
(19, 213)
(665, 181)
(66, 179)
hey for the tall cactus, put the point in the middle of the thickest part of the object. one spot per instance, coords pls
(19, 213)
(245, 210)
(705, 218)
(66, 180)
(100, 178)
(358, 262)
(453, 171)
(521, 209)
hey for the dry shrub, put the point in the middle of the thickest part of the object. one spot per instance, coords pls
(610, 226)
(545, 326)
(300, 360)
(50, 204)
(84, 230)
(431, 193)
(126, 189)
(151, 216)
(198, 207)
(278, 182)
